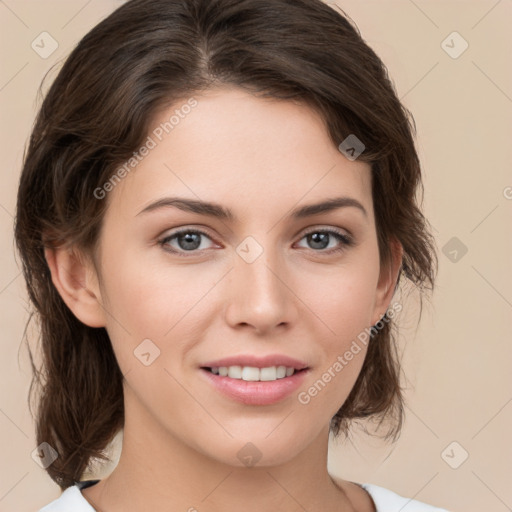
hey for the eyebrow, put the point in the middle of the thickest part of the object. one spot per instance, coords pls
(218, 211)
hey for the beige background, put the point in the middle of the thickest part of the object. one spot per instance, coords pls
(458, 361)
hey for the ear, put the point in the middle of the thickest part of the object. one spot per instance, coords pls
(77, 282)
(387, 281)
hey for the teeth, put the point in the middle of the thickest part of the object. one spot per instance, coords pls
(282, 372)
(268, 373)
(250, 373)
(235, 372)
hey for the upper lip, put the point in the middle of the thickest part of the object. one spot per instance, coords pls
(257, 361)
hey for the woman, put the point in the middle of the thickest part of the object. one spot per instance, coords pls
(217, 205)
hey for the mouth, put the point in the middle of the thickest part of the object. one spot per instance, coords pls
(255, 381)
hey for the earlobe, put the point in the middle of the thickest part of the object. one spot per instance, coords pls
(388, 280)
(75, 278)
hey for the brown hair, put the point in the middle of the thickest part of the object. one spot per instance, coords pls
(147, 55)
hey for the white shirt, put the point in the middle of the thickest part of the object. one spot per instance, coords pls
(72, 500)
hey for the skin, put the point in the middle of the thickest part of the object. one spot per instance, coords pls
(261, 158)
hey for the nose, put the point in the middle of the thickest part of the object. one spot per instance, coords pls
(260, 294)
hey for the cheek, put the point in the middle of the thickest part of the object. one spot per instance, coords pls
(344, 302)
(156, 302)
(344, 299)
(344, 306)
(152, 298)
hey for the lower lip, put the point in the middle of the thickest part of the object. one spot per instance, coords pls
(256, 392)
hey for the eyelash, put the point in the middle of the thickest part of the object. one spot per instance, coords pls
(346, 241)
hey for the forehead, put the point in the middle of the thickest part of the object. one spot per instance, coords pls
(246, 152)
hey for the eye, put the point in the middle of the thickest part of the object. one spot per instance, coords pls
(188, 240)
(320, 239)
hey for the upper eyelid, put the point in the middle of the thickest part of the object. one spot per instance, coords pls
(204, 230)
(325, 228)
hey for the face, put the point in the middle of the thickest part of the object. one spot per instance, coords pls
(183, 289)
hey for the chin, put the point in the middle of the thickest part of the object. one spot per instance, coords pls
(260, 450)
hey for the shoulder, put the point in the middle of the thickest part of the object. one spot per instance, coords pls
(71, 500)
(388, 501)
